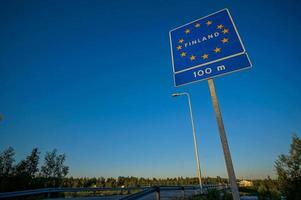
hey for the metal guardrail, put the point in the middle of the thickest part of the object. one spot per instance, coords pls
(145, 191)
(157, 190)
(142, 194)
(60, 190)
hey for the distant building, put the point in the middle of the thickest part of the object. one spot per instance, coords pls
(245, 183)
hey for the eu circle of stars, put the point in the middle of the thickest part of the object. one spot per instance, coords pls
(204, 40)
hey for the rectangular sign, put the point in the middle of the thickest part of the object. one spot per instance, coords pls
(223, 67)
(205, 45)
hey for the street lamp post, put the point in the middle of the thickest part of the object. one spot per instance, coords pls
(196, 150)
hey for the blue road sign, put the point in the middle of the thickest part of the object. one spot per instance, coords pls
(206, 48)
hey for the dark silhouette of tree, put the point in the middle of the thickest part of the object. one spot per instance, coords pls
(288, 168)
(26, 174)
(29, 166)
(6, 162)
(26, 170)
(6, 169)
(54, 168)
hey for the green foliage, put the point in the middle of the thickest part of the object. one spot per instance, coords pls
(227, 196)
(213, 195)
(268, 189)
(131, 181)
(288, 168)
(199, 197)
(217, 180)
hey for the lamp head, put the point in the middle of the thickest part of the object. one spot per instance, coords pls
(175, 94)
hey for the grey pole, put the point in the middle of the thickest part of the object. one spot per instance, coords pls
(222, 132)
(196, 150)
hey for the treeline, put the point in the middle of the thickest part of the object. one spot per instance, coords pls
(26, 174)
(138, 182)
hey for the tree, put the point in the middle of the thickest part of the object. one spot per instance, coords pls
(6, 162)
(54, 168)
(26, 170)
(29, 166)
(288, 168)
(6, 169)
(268, 189)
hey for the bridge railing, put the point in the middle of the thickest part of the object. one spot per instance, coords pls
(145, 191)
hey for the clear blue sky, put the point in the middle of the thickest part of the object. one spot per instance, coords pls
(93, 79)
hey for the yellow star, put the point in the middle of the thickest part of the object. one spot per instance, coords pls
(225, 31)
(192, 57)
(179, 47)
(205, 56)
(183, 54)
(181, 40)
(197, 25)
(187, 31)
(225, 40)
(217, 50)
(220, 26)
(209, 23)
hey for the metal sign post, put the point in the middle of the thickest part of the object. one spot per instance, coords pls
(206, 48)
(223, 137)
